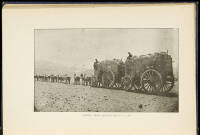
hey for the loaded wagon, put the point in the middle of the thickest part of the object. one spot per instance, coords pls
(108, 73)
(152, 73)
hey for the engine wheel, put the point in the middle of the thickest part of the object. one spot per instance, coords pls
(137, 84)
(108, 79)
(151, 81)
(168, 84)
(127, 83)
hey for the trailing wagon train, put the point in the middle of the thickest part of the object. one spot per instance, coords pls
(152, 73)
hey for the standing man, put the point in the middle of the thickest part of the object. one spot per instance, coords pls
(95, 64)
(74, 79)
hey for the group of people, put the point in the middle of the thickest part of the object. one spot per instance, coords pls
(82, 79)
(53, 78)
(78, 80)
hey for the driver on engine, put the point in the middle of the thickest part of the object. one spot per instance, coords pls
(129, 56)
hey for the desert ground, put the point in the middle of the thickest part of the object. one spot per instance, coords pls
(59, 97)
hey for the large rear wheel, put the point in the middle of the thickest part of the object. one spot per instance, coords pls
(151, 81)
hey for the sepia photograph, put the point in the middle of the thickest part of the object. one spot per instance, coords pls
(106, 70)
(99, 69)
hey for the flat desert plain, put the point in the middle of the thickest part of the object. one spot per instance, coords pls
(60, 97)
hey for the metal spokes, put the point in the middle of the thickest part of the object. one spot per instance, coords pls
(167, 85)
(151, 81)
(127, 83)
(137, 83)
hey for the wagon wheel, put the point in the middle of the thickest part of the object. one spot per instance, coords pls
(151, 81)
(94, 82)
(137, 84)
(117, 85)
(168, 84)
(108, 79)
(127, 83)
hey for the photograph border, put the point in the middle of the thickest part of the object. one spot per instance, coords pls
(35, 109)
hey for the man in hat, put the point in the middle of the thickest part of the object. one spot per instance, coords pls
(129, 56)
(95, 64)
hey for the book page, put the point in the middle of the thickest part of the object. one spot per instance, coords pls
(99, 69)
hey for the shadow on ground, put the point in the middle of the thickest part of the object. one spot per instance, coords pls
(170, 94)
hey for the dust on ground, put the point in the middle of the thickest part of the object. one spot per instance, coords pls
(58, 97)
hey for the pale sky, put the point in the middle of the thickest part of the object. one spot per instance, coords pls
(80, 47)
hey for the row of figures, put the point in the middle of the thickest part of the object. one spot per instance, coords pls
(82, 79)
(77, 80)
(53, 78)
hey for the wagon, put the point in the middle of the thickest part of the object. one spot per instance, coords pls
(108, 73)
(152, 73)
